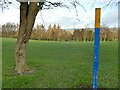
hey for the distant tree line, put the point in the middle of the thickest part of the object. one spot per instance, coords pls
(10, 30)
(55, 33)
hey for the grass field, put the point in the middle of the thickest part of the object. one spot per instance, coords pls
(61, 65)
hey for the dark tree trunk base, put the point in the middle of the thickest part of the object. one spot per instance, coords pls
(28, 14)
(26, 72)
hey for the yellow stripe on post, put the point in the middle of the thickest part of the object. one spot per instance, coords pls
(97, 17)
(96, 48)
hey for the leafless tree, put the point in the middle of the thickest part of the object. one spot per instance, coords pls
(28, 13)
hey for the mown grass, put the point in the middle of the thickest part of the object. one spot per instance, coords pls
(61, 65)
(0, 63)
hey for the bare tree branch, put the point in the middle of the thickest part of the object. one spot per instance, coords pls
(42, 18)
(77, 2)
(107, 4)
(4, 4)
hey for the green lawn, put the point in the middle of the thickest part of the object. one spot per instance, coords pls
(0, 63)
(61, 65)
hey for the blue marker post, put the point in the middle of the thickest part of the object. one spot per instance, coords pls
(96, 48)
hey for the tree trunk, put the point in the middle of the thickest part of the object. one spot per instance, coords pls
(28, 14)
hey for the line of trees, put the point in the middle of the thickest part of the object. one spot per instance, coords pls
(55, 33)
(10, 30)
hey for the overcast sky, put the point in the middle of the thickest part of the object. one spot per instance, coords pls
(68, 18)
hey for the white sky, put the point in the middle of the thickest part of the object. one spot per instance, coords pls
(68, 19)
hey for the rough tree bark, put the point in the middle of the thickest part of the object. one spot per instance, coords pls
(28, 13)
